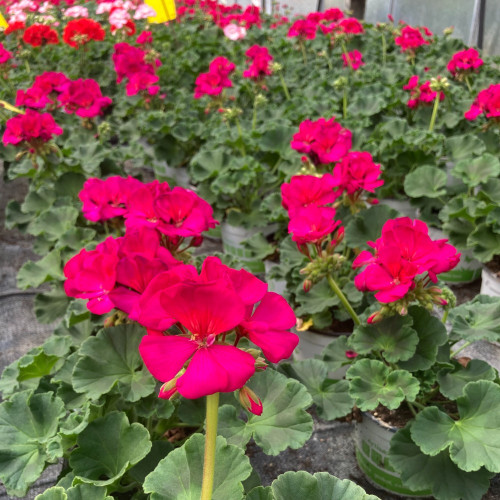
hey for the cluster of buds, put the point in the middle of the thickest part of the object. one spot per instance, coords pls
(340, 83)
(426, 297)
(439, 84)
(229, 114)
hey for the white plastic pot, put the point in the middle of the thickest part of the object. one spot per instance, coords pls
(274, 285)
(490, 284)
(372, 440)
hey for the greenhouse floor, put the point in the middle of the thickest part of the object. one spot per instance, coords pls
(330, 447)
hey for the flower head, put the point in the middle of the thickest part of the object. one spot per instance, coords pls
(79, 32)
(40, 34)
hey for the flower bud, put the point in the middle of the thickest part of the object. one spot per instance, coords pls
(260, 364)
(351, 354)
(250, 401)
(306, 286)
(448, 31)
(375, 317)
(169, 390)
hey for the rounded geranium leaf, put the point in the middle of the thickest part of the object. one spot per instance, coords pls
(112, 358)
(460, 147)
(79, 492)
(477, 171)
(331, 397)
(334, 353)
(452, 382)
(474, 439)
(28, 425)
(427, 181)
(261, 493)
(107, 448)
(179, 475)
(485, 239)
(372, 382)
(431, 335)
(393, 337)
(284, 422)
(437, 473)
(320, 486)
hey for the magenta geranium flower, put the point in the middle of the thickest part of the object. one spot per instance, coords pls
(487, 102)
(353, 59)
(205, 311)
(464, 62)
(216, 79)
(84, 98)
(33, 128)
(411, 39)
(108, 198)
(420, 94)
(312, 224)
(304, 29)
(305, 190)
(324, 141)
(351, 26)
(260, 59)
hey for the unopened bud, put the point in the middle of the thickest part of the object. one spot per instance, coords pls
(448, 31)
(196, 241)
(373, 201)
(260, 364)
(250, 401)
(169, 389)
(306, 286)
(260, 99)
(276, 67)
(351, 354)
(375, 317)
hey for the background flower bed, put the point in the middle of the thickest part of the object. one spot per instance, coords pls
(361, 115)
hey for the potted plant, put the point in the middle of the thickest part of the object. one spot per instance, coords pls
(425, 409)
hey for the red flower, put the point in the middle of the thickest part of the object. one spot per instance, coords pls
(422, 94)
(324, 141)
(84, 98)
(79, 32)
(465, 61)
(40, 34)
(357, 172)
(5, 55)
(33, 127)
(216, 80)
(145, 38)
(353, 59)
(308, 190)
(304, 29)
(129, 28)
(411, 38)
(44, 91)
(260, 58)
(312, 224)
(487, 102)
(351, 26)
(13, 27)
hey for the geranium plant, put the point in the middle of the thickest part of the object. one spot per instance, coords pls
(402, 362)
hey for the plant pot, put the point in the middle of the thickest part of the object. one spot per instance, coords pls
(232, 239)
(490, 284)
(372, 440)
(466, 271)
(179, 175)
(311, 345)
(404, 207)
(277, 285)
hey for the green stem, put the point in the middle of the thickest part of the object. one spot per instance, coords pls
(344, 103)
(285, 88)
(467, 81)
(240, 132)
(254, 118)
(343, 299)
(445, 316)
(434, 111)
(347, 58)
(412, 409)
(303, 49)
(384, 50)
(27, 65)
(210, 439)
(461, 348)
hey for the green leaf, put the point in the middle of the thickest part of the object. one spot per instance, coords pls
(320, 486)
(474, 439)
(334, 353)
(372, 382)
(33, 274)
(318, 298)
(277, 139)
(431, 335)
(438, 473)
(28, 424)
(477, 320)
(426, 181)
(179, 475)
(36, 365)
(477, 171)
(452, 382)
(284, 422)
(393, 336)
(207, 164)
(367, 225)
(112, 358)
(78, 492)
(485, 242)
(261, 493)
(259, 246)
(330, 396)
(54, 493)
(159, 451)
(107, 448)
(464, 146)
(51, 306)
(54, 222)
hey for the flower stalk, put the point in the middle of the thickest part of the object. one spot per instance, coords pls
(207, 484)
(434, 112)
(343, 300)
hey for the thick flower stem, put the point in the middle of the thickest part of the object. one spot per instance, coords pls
(344, 103)
(254, 117)
(303, 49)
(445, 316)
(343, 299)
(461, 348)
(468, 83)
(384, 50)
(434, 112)
(285, 88)
(207, 484)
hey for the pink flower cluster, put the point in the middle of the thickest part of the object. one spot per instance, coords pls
(216, 79)
(5, 55)
(465, 62)
(487, 102)
(411, 39)
(220, 301)
(402, 253)
(260, 59)
(353, 59)
(32, 128)
(131, 63)
(420, 94)
(82, 97)
(307, 199)
(348, 26)
(324, 141)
